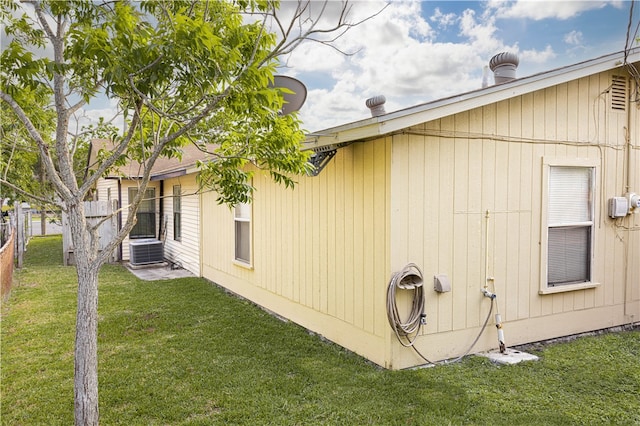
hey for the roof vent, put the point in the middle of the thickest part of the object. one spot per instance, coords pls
(619, 93)
(376, 105)
(504, 67)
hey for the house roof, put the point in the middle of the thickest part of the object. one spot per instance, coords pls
(162, 169)
(394, 121)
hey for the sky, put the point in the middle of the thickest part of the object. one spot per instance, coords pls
(414, 52)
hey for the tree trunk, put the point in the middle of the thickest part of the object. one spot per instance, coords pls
(43, 208)
(86, 349)
(86, 343)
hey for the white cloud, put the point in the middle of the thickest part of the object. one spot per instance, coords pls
(537, 56)
(480, 32)
(573, 38)
(443, 20)
(398, 54)
(407, 66)
(538, 10)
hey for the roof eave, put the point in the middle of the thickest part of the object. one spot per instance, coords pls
(402, 119)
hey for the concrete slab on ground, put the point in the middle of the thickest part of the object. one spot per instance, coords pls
(509, 357)
(159, 271)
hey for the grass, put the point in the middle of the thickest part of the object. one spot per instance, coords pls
(183, 352)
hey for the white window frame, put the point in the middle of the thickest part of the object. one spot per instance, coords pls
(242, 215)
(548, 164)
(177, 212)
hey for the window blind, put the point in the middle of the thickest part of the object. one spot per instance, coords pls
(570, 221)
(569, 195)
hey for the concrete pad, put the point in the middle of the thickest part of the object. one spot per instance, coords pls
(159, 271)
(510, 357)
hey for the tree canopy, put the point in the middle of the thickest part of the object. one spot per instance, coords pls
(182, 72)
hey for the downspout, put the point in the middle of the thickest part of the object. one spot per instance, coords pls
(161, 210)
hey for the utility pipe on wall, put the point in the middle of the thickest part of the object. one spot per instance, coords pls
(485, 290)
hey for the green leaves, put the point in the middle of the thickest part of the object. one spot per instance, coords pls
(20, 69)
(184, 71)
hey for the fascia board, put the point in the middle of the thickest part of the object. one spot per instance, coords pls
(343, 134)
(492, 94)
(398, 120)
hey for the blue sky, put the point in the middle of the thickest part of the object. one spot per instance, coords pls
(415, 52)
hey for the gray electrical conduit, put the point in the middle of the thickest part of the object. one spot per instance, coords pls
(410, 278)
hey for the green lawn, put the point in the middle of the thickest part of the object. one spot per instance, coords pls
(183, 352)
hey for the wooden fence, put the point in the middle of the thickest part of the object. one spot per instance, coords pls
(7, 261)
(95, 212)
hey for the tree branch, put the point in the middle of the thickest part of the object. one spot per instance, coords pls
(42, 145)
(31, 196)
(109, 161)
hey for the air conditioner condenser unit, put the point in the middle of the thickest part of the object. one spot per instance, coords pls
(146, 251)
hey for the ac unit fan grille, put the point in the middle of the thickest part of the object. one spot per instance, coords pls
(144, 252)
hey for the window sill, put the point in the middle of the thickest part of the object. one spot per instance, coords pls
(567, 287)
(242, 264)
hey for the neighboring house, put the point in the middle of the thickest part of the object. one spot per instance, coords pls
(504, 189)
(171, 210)
(507, 186)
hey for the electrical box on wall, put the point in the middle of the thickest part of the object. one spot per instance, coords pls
(618, 207)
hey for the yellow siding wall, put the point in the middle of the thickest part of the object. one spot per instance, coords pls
(324, 252)
(446, 174)
(186, 251)
(320, 252)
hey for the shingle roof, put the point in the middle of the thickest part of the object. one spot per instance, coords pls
(162, 167)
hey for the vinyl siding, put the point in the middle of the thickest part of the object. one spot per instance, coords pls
(320, 252)
(185, 252)
(461, 196)
(491, 159)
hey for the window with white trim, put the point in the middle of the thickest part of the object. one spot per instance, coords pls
(177, 213)
(242, 222)
(145, 226)
(568, 234)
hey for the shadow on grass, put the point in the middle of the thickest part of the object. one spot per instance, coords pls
(185, 352)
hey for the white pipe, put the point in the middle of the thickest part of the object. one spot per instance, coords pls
(485, 289)
(486, 252)
(501, 343)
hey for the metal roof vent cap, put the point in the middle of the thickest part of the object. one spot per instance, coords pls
(376, 105)
(504, 67)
